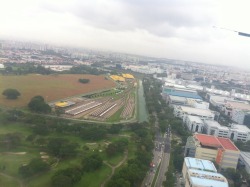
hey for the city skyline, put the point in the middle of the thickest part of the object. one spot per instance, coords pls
(165, 29)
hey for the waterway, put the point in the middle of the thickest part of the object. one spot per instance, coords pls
(142, 109)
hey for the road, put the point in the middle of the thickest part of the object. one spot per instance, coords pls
(161, 158)
(165, 161)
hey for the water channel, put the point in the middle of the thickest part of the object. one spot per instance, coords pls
(142, 109)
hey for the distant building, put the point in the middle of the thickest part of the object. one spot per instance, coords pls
(1, 66)
(201, 173)
(220, 150)
(180, 92)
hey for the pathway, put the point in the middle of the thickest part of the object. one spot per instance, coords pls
(114, 168)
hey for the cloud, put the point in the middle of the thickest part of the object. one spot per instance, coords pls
(164, 18)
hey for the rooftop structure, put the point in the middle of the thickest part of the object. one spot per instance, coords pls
(181, 111)
(63, 104)
(199, 164)
(181, 92)
(117, 78)
(202, 173)
(238, 105)
(128, 76)
(205, 179)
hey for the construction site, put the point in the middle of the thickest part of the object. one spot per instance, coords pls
(113, 105)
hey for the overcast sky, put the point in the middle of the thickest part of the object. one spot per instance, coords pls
(178, 29)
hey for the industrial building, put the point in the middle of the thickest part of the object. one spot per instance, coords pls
(220, 150)
(180, 92)
(202, 173)
(183, 111)
(235, 132)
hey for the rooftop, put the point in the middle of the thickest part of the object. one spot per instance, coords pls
(177, 98)
(238, 105)
(212, 123)
(208, 140)
(200, 164)
(190, 110)
(241, 128)
(212, 141)
(227, 144)
(195, 119)
(207, 179)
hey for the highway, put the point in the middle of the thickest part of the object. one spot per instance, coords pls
(161, 157)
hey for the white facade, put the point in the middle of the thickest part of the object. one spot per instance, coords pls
(194, 124)
(235, 132)
(239, 115)
(214, 128)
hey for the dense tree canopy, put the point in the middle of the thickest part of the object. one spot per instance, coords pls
(11, 93)
(35, 166)
(66, 177)
(92, 162)
(37, 104)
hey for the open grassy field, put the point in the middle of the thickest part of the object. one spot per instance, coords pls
(51, 87)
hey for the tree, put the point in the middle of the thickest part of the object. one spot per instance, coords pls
(11, 93)
(66, 177)
(37, 104)
(92, 162)
(35, 166)
(62, 147)
(84, 81)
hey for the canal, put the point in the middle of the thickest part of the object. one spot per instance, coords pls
(142, 109)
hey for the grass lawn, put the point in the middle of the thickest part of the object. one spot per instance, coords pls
(13, 162)
(116, 116)
(8, 182)
(94, 179)
(14, 127)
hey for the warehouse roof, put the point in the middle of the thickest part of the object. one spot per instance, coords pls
(200, 164)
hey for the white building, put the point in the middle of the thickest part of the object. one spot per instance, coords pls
(241, 116)
(201, 173)
(236, 132)
(183, 111)
(239, 132)
(214, 128)
(194, 123)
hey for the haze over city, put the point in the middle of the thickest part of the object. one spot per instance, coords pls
(177, 29)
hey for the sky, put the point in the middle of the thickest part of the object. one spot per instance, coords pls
(175, 29)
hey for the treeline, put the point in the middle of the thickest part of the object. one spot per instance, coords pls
(29, 68)
(84, 69)
(23, 69)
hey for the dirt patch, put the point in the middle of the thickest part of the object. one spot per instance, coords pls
(50, 87)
